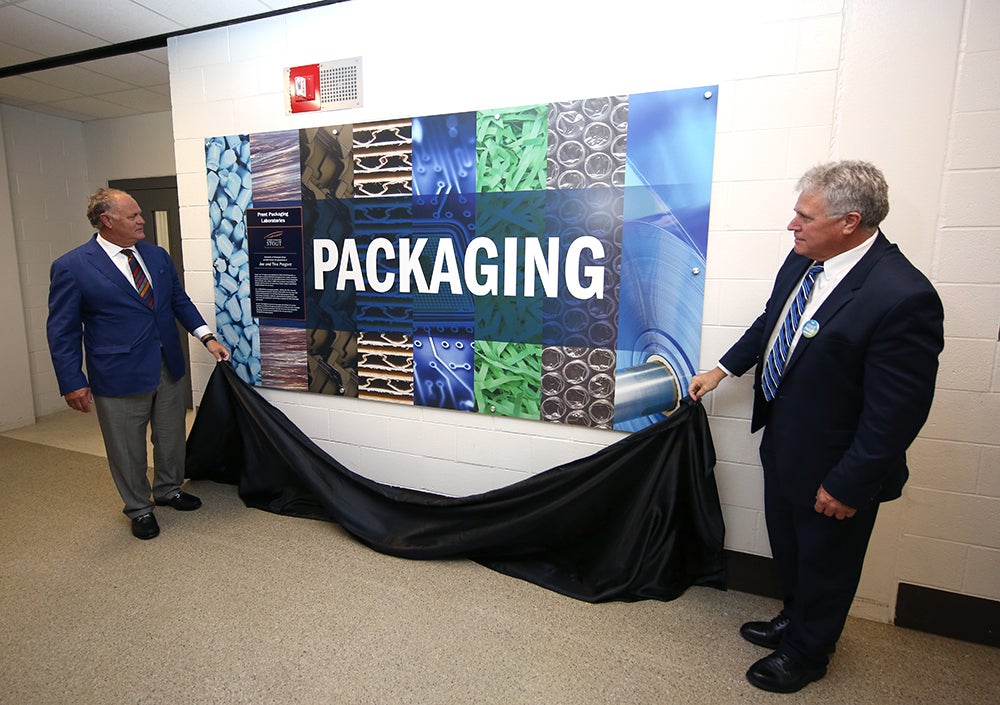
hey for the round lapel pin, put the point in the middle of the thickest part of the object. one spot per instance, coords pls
(810, 328)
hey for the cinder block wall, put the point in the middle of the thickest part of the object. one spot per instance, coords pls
(909, 84)
(47, 170)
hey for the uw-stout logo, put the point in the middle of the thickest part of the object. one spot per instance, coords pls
(272, 240)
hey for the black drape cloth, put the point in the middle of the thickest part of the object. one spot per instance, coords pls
(636, 520)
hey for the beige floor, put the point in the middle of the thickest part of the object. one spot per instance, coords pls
(234, 605)
(69, 430)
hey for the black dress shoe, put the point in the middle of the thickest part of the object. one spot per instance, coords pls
(180, 500)
(145, 527)
(780, 673)
(765, 633)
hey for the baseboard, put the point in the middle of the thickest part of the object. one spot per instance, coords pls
(752, 574)
(949, 614)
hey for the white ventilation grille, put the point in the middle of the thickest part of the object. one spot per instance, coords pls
(340, 84)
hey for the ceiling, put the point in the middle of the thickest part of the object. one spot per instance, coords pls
(84, 35)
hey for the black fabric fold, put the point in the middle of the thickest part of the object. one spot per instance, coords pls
(639, 519)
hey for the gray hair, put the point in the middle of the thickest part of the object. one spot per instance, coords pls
(850, 186)
(101, 201)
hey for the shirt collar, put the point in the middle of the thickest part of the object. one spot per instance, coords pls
(839, 265)
(111, 248)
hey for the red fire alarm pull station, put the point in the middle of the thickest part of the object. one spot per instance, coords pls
(303, 88)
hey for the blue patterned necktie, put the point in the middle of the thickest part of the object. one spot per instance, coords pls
(776, 359)
(142, 284)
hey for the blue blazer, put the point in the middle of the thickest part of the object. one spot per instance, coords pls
(853, 398)
(93, 307)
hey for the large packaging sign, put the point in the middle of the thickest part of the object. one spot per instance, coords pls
(543, 261)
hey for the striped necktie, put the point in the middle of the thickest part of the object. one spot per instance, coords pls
(139, 277)
(776, 359)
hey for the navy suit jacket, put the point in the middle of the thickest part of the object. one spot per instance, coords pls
(853, 398)
(93, 304)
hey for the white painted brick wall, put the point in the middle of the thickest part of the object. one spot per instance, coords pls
(949, 466)
(970, 196)
(978, 88)
(793, 92)
(130, 147)
(54, 165)
(47, 170)
(989, 472)
(981, 570)
(927, 561)
(951, 534)
(967, 255)
(975, 140)
(742, 483)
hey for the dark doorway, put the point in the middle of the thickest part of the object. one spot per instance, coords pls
(157, 196)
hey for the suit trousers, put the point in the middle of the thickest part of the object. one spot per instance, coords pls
(819, 561)
(125, 421)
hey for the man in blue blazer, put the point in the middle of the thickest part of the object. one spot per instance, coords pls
(117, 298)
(846, 358)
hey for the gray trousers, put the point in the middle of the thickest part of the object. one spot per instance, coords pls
(124, 423)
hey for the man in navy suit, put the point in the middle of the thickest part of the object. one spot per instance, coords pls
(117, 297)
(841, 391)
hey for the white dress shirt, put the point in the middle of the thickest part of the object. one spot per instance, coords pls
(834, 271)
(121, 261)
